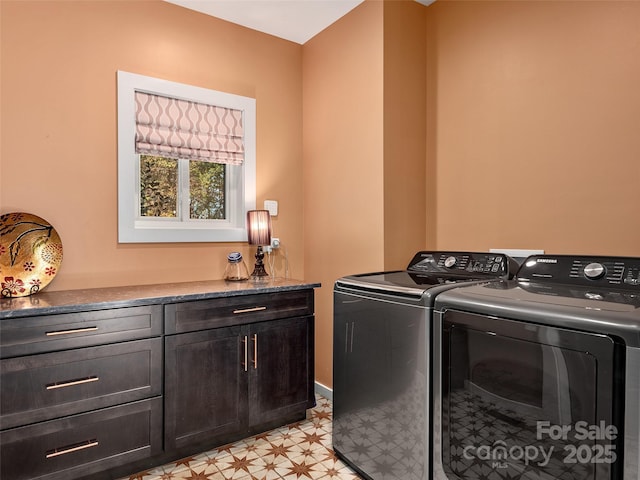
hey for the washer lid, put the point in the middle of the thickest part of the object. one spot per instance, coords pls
(430, 272)
(406, 283)
(603, 310)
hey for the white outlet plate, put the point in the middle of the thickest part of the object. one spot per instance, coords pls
(272, 206)
(516, 253)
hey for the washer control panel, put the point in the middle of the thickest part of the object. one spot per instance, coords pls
(490, 264)
(582, 270)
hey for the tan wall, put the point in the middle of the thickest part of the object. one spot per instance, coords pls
(404, 119)
(58, 153)
(343, 160)
(535, 132)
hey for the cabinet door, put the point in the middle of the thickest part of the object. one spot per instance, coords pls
(281, 369)
(206, 385)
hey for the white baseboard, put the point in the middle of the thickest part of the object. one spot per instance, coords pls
(323, 390)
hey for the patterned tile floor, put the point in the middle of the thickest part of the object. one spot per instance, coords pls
(298, 451)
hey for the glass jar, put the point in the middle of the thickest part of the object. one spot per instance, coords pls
(236, 270)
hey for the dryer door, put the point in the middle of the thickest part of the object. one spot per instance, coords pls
(521, 400)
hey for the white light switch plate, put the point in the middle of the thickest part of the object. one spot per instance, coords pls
(272, 206)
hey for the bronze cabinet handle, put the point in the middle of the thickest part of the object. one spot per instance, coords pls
(71, 383)
(255, 351)
(245, 364)
(56, 452)
(249, 310)
(69, 332)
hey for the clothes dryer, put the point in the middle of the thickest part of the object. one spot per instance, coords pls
(538, 378)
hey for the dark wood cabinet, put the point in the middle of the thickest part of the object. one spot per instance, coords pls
(49, 333)
(51, 385)
(108, 388)
(84, 444)
(281, 369)
(237, 310)
(79, 393)
(226, 383)
(205, 389)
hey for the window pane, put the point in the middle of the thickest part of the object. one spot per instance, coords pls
(207, 190)
(158, 186)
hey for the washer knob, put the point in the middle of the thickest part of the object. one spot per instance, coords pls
(594, 271)
(450, 262)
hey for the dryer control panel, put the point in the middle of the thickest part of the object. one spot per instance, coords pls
(582, 270)
(490, 264)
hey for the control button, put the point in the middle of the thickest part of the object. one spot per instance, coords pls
(594, 271)
(450, 262)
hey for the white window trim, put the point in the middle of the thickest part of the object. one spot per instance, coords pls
(131, 229)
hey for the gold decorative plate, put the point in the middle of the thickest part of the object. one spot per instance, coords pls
(30, 254)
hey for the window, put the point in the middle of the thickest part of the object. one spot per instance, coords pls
(202, 196)
(171, 193)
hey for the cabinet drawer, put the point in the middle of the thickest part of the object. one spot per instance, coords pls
(42, 387)
(26, 336)
(226, 311)
(83, 444)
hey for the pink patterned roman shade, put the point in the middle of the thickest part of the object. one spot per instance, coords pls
(175, 128)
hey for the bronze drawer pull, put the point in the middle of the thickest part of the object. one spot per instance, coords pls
(75, 330)
(248, 310)
(72, 448)
(70, 383)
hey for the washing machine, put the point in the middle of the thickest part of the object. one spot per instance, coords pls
(382, 347)
(538, 378)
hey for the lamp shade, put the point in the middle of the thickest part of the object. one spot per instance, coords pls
(259, 227)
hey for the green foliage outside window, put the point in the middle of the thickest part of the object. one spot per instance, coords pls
(160, 193)
(158, 186)
(207, 188)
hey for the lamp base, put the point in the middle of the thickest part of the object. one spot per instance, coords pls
(259, 270)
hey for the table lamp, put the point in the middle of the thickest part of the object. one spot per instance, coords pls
(259, 233)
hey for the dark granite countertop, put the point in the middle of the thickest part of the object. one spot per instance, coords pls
(67, 301)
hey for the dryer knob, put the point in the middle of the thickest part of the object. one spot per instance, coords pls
(594, 271)
(450, 262)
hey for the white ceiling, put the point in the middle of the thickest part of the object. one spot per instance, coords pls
(294, 20)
